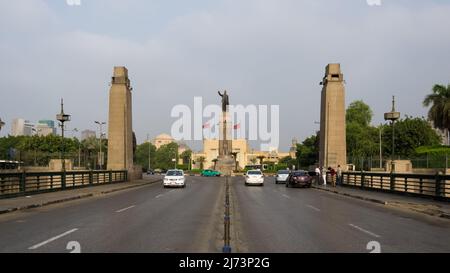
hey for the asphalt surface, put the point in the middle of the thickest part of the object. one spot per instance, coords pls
(272, 218)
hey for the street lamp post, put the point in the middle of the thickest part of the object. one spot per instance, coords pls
(381, 148)
(100, 163)
(149, 151)
(62, 117)
(392, 116)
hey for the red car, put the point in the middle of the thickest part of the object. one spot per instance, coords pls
(299, 179)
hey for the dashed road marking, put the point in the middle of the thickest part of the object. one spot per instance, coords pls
(122, 210)
(52, 239)
(314, 208)
(365, 231)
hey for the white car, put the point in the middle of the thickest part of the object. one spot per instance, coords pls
(174, 178)
(282, 176)
(254, 177)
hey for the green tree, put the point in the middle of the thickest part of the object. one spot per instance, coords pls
(360, 113)
(410, 134)
(186, 156)
(164, 156)
(439, 100)
(308, 151)
(142, 155)
(362, 138)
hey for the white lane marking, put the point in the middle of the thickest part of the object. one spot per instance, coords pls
(122, 210)
(159, 195)
(314, 208)
(52, 239)
(286, 196)
(365, 231)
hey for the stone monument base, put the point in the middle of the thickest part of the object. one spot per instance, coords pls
(225, 165)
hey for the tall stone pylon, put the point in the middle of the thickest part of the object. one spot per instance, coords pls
(333, 143)
(120, 129)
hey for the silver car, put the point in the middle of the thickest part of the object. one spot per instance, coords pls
(282, 177)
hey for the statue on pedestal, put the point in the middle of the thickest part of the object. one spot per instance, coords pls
(225, 101)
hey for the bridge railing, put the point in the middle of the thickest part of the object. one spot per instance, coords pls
(29, 183)
(435, 186)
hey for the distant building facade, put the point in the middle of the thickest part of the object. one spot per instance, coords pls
(162, 139)
(87, 134)
(45, 128)
(21, 127)
(245, 156)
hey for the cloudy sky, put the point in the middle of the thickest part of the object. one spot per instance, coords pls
(263, 51)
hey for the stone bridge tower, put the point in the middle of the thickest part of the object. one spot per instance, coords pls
(333, 143)
(120, 130)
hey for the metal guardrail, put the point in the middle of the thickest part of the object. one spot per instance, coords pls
(29, 183)
(435, 186)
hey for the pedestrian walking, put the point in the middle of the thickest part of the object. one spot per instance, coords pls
(333, 176)
(339, 175)
(324, 176)
(317, 175)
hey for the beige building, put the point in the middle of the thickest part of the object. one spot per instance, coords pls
(245, 155)
(161, 140)
(164, 139)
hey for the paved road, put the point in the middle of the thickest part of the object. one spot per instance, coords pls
(274, 218)
(147, 219)
(264, 219)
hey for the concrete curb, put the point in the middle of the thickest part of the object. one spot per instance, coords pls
(73, 198)
(438, 213)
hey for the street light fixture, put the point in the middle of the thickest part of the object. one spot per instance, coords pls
(101, 157)
(1, 124)
(62, 117)
(392, 116)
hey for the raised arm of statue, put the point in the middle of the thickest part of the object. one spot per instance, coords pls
(220, 94)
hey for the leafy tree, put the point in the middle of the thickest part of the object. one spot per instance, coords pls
(142, 153)
(360, 113)
(308, 152)
(164, 156)
(410, 134)
(186, 156)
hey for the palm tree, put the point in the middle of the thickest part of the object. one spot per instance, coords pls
(439, 112)
(202, 160)
(215, 160)
(261, 158)
(235, 160)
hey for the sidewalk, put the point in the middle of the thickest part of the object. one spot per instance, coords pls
(416, 204)
(45, 199)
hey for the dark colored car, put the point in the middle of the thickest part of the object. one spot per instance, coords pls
(299, 179)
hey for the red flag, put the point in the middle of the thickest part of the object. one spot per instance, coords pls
(237, 126)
